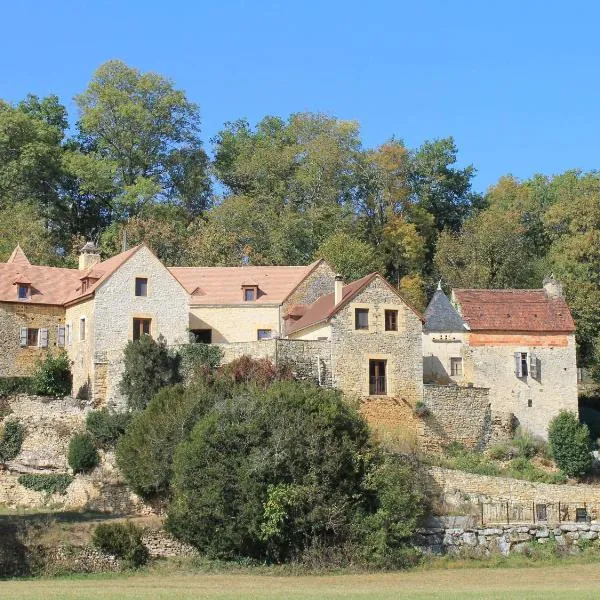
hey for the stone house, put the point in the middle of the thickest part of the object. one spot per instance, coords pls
(519, 344)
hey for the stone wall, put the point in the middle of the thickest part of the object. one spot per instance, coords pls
(309, 360)
(319, 283)
(484, 541)
(461, 414)
(17, 361)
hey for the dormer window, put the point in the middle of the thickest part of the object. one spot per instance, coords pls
(88, 280)
(23, 291)
(250, 293)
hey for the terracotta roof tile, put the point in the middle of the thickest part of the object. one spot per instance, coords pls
(223, 285)
(18, 257)
(513, 310)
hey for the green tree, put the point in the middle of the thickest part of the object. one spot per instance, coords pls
(570, 444)
(148, 367)
(150, 131)
(82, 454)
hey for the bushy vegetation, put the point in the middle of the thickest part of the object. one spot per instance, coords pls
(123, 540)
(145, 453)
(106, 426)
(11, 440)
(570, 444)
(9, 386)
(277, 472)
(523, 445)
(82, 454)
(245, 369)
(148, 367)
(53, 376)
(50, 483)
(195, 359)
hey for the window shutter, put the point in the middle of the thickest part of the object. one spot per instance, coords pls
(43, 338)
(23, 336)
(518, 365)
(68, 334)
(533, 366)
(60, 338)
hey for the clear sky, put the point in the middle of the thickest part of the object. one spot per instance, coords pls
(516, 83)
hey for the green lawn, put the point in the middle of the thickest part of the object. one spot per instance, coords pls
(553, 582)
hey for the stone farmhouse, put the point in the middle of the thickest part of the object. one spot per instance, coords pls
(518, 344)
(362, 337)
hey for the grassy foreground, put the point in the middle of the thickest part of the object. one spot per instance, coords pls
(552, 582)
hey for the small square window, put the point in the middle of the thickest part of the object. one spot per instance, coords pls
(23, 291)
(391, 320)
(456, 367)
(141, 327)
(141, 286)
(32, 337)
(361, 318)
(249, 294)
(263, 334)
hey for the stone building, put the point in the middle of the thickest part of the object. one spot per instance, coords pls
(520, 344)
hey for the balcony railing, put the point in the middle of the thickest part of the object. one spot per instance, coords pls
(377, 386)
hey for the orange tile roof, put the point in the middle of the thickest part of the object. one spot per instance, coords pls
(513, 310)
(322, 309)
(223, 285)
(18, 257)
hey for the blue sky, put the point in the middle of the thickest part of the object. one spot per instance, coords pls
(516, 83)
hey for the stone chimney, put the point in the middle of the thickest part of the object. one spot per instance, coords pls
(553, 287)
(338, 288)
(88, 257)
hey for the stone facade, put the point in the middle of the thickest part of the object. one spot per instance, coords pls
(21, 361)
(438, 351)
(319, 283)
(461, 414)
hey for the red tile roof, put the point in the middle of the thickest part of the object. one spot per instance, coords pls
(322, 309)
(513, 310)
(18, 258)
(223, 285)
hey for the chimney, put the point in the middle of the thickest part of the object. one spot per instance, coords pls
(88, 256)
(339, 286)
(553, 287)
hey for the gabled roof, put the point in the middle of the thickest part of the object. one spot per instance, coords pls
(514, 310)
(223, 285)
(441, 316)
(324, 308)
(18, 258)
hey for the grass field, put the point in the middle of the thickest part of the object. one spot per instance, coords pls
(553, 582)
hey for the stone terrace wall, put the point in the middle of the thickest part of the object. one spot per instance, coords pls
(309, 360)
(462, 414)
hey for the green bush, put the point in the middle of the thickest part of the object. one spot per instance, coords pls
(502, 452)
(145, 453)
(194, 358)
(50, 483)
(570, 444)
(53, 376)
(12, 438)
(271, 473)
(123, 540)
(106, 427)
(82, 455)
(9, 386)
(148, 367)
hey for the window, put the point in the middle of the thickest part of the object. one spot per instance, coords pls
(263, 334)
(33, 337)
(377, 380)
(391, 320)
(82, 329)
(456, 367)
(201, 336)
(141, 327)
(141, 286)
(23, 291)
(521, 364)
(361, 318)
(250, 294)
(541, 512)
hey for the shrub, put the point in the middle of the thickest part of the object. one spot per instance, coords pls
(106, 427)
(570, 444)
(270, 473)
(82, 455)
(12, 438)
(194, 358)
(502, 452)
(53, 376)
(145, 453)
(421, 409)
(148, 367)
(50, 483)
(9, 386)
(123, 540)
(245, 369)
